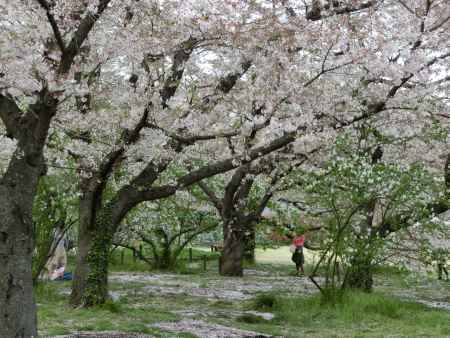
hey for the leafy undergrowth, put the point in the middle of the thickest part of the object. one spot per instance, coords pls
(379, 314)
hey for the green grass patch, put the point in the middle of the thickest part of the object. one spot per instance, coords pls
(370, 314)
(264, 302)
(356, 315)
(250, 318)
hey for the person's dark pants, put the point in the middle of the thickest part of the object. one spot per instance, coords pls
(299, 259)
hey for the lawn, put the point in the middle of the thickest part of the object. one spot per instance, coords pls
(145, 298)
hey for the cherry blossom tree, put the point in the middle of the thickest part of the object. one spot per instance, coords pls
(362, 194)
(235, 65)
(41, 46)
(137, 87)
(241, 206)
(165, 227)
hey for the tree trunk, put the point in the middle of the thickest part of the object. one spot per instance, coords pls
(164, 260)
(82, 269)
(96, 286)
(231, 260)
(90, 284)
(17, 306)
(17, 190)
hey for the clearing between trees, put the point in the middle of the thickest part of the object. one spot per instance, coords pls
(270, 301)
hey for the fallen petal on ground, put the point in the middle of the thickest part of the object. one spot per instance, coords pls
(106, 334)
(208, 330)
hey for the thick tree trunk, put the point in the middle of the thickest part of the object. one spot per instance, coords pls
(82, 268)
(231, 260)
(17, 190)
(85, 235)
(96, 286)
(17, 306)
(90, 285)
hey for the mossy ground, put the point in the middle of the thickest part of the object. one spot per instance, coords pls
(380, 314)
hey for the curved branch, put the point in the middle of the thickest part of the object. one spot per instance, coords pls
(51, 19)
(10, 114)
(80, 35)
(211, 195)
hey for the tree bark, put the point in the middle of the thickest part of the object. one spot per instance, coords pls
(90, 284)
(231, 260)
(96, 284)
(18, 187)
(85, 239)
(17, 190)
(17, 306)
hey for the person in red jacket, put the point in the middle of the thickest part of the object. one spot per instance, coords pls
(298, 257)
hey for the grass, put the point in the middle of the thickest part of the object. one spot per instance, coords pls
(358, 314)
(264, 302)
(251, 319)
(56, 317)
(281, 256)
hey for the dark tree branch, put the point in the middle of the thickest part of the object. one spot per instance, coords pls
(438, 25)
(233, 162)
(124, 199)
(210, 170)
(51, 19)
(316, 12)
(193, 235)
(95, 185)
(276, 177)
(233, 185)
(325, 70)
(136, 252)
(132, 136)
(149, 241)
(10, 114)
(244, 190)
(80, 35)
(180, 57)
(224, 86)
(188, 140)
(211, 195)
(405, 5)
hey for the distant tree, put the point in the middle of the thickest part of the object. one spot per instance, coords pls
(165, 228)
(363, 196)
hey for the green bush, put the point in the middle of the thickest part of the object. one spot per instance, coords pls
(264, 301)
